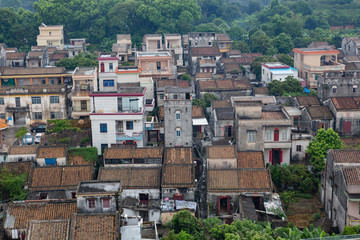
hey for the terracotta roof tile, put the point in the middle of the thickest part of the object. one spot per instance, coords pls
(273, 115)
(33, 71)
(319, 112)
(220, 104)
(133, 177)
(345, 156)
(178, 176)
(21, 213)
(57, 56)
(77, 160)
(95, 227)
(197, 112)
(250, 160)
(171, 82)
(59, 177)
(242, 83)
(48, 230)
(346, 103)
(22, 150)
(130, 153)
(161, 113)
(35, 54)
(349, 141)
(308, 101)
(208, 84)
(228, 60)
(261, 90)
(352, 175)
(15, 56)
(205, 51)
(222, 37)
(221, 152)
(203, 75)
(51, 152)
(232, 68)
(251, 179)
(222, 180)
(178, 155)
(17, 168)
(226, 83)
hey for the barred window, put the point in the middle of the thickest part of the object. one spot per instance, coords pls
(54, 99)
(36, 100)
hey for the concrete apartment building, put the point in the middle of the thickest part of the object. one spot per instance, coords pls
(108, 62)
(314, 61)
(84, 82)
(51, 36)
(154, 64)
(152, 43)
(123, 46)
(173, 43)
(276, 71)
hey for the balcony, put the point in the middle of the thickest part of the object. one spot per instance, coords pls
(331, 67)
(277, 144)
(121, 136)
(149, 105)
(149, 124)
(17, 108)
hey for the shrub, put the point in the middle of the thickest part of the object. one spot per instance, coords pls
(64, 140)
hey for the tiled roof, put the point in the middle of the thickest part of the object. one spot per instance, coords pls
(178, 176)
(178, 155)
(50, 89)
(349, 141)
(203, 75)
(346, 103)
(231, 68)
(51, 152)
(18, 214)
(57, 56)
(345, 156)
(308, 101)
(22, 150)
(161, 113)
(33, 71)
(3, 124)
(220, 104)
(35, 55)
(15, 56)
(319, 112)
(261, 90)
(222, 37)
(77, 160)
(17, 168)
(48, 230)
(273, 115)
(59, 177)
(171, 82)
(224, 113)
(136, 153)
(197, 112)
(250, 160)
(205, 51)
(95, 227)
(234, 52)
(238, 180)
(133, 177)
(352, 175)
(224, 84)
(228, 60)
(221, 152)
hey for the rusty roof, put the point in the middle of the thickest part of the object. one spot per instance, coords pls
(197, 112)
(133, 177)
(78, 160)
(15, 56)
(345, 156)
(48, 230)
(250, 159)
(221, 152)
(346, 103)
(205, 51)
(33, 71)
(51, 152)
(136, 153)
(351, 175)
(95, 226)
(220, 104)
(18, 214)
(178, 176)
(273, 115)
(23, 150)
(57, 56)
(178, 155)
(308, 101)
(59, 177)
(319, 112)
(17, 168)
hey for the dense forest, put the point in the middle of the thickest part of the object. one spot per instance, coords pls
(255, 25)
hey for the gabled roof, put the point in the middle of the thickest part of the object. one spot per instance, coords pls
(133, 153)
(51, 152)
(17, 168)
(224, 85)
(345, 156)
(351, 175)
(319, 112)
(178, 155)
(133, 177)
(23, 150)
(205, 51)
(222, 37)
(221, 152)
(225, 113)
(171, 82)
(178, 176)
(273, 115)
(206, 75)
(346, 103)
(197, 112)
(308, 101)
(250, 159)
(48, 230)
(59, 177)
(95, 227)
(35, 55)
(15, 56)
(220, 104)
(17, 215)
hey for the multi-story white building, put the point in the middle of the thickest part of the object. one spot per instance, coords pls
(118, 117)
(108, 64)
(276, 71)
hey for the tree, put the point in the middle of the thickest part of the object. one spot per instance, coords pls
(184, 221)
(260, 42)
(283, 43)
(322, 142)
(21, 133)
(80, 60)
(240, 45)
(12, 185)
(255, 66)
(287, 87)
(286, 59)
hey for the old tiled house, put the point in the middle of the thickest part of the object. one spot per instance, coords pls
(51, 155)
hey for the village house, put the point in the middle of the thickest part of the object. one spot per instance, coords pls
(201, 39)
(224, 42)
(346, 111)
(312, 62)
(155, 64)
(173, 43)
(350, 46)
(276, 71)
(230, 68)
(2, 55)
(209, 55)
(221, 156)
(203, 76)
(15, 59)
(39, 58)
(140, 189)
(340, 187)
(108, 62)
(84, 82)
(22, 154)
(51, 36)
(118, 117)
(199, 122)
(57, 182)
(152, 43)
(222, 119)
(302, 101)
(76, 46)
(51, 155)
(48, 229)
(178, 174)
(123, 47)
(315, 117)
(162, 83)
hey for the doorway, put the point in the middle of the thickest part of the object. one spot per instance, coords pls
(276, 156)
(17, 102)
(83, 105)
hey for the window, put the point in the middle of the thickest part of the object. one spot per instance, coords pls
(283, 135)
(111, 67)
(102, 67)
(108, 83)
(32, 63)
(354, 88)
(334, 89)
(91, 203)
(36, 100)
(298, 148)
(209, 43)
(178, 132)
(158, 66)
(52, 81)
(55, 115)
(37, 115)
(268, 135)
(251, 136)
(106, 202)
(276, 134)
(178, 114)
(103, 127)
(119, 126)
(73, 195)
(49, 33)
(43, 196)
(43, 81)
(143, 198)
(21, 82)
(1, 101)
(175, 96)
(161, 96)
(54, 99)
(129, 125)
(2, 115)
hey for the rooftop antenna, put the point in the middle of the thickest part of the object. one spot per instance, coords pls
(43, 24)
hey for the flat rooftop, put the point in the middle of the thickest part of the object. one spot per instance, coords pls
(153, 54)
(85, 71)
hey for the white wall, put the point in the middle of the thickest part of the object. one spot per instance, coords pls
(59, 161)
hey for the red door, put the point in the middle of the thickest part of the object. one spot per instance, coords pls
(276, 134)
(347, 127)
(270, 156)
(102, 66)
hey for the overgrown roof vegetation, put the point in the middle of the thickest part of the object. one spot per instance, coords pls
(89, 154)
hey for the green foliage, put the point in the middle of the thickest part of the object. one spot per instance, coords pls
(59, 125)
(323, 141)
(80, 60)
(64, 140)
(291, 84)
(349, 230)
(286, 59)
(89, 154)
(316, 216)
(205, 101)
(186, 77)
(184, 221)
(21, 133)
(12, 185)
(287, 198)
(84, 140)
(256, 64)
(211, 222)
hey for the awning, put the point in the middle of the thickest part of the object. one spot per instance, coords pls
(199, 121)
(353, 197)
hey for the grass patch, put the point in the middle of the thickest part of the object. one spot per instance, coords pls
(89, 154)
(84, 140)
(65, 140)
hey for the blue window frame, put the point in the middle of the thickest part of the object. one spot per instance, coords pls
(108, 83)
(50, 161)
(103, 127)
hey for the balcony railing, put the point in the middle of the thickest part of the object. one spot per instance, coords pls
(120, 136)
(80, 109)
(334, 67)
